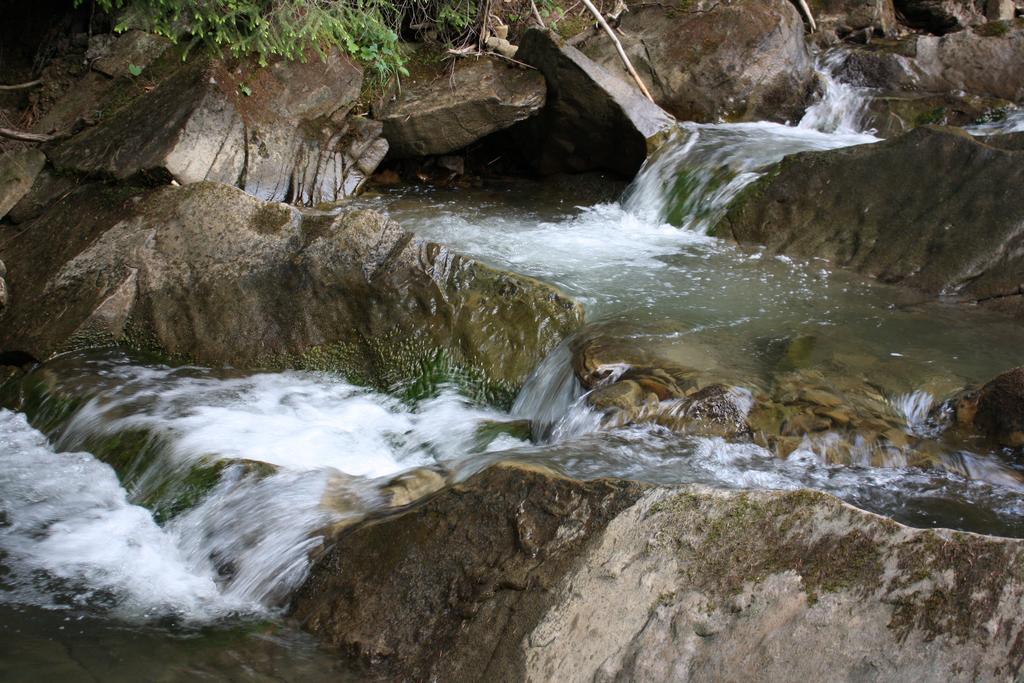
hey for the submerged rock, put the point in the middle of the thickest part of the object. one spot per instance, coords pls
(895, 114)
(593, 120)
(513, 574)
(708, 61)
(454, 110)
(933, 209)
(207, 273)
(279, 132)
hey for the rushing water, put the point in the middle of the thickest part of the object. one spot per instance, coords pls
(190, 500)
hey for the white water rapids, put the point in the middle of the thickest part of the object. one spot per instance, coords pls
(73, 536)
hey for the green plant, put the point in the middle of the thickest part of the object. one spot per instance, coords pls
(134, 69)
(270, 28)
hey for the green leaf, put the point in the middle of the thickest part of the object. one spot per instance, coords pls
(134, 69)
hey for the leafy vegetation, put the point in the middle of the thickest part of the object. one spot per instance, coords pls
(368, 30)
(270, 28)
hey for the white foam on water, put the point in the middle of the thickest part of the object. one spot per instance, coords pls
(295, 421)
(71, 538)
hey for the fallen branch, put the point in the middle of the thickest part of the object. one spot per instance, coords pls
(618, 46)
(20, 86)
(22, 136)
(807, 13)
(536, 14)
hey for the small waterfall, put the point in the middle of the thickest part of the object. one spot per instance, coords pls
(223, 484)
(694, 177)
(915, 407)
(841, 107)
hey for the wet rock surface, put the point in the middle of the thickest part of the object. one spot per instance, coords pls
(438, 595)
(513, 574)
(453, 110)
(996, 410)
(587, 106)
(207, 273)
(964, 244)
(708, 61)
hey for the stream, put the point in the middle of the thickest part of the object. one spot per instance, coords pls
(186, 552)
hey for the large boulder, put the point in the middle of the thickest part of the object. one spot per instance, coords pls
(207, 273)
(713, 61)
(840, 18)
(516, 573)
(447, 112)
(986, 61)
(934, 209)
(593, 120)
(281, 133)
(943, 16)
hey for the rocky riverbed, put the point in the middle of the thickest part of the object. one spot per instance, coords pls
(506, 371)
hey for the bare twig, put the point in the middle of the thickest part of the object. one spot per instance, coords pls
(807, 13)
(458, 52)
(536, 14)
(30, 137)
(21, 86)
(618, 46)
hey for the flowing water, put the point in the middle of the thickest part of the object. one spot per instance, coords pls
(153, 519)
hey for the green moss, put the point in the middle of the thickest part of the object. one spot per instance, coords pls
(962, 605)
(936, 116)
(744, 538)
(993, 29)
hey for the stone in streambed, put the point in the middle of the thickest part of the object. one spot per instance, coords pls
(208, 273)
(512, 574)
(934, 209)
(995, 411)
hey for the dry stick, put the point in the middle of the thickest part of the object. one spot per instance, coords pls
(536, 14)
(20, 86)
(807, 13)
(618, 46)
(29, 137)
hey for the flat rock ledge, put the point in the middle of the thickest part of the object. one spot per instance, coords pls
(521, 574)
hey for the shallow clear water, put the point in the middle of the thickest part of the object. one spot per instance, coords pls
(185, 552)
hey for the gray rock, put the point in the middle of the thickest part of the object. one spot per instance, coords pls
(942, 16)
(985, 61)
(133, 48)
(841, 17)
(207, 273)
(18, 171)
(897, 211)
(280, 132)
(448, 112)
(713, 61)
(593, 120)
(519, 574)
(999, 10)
